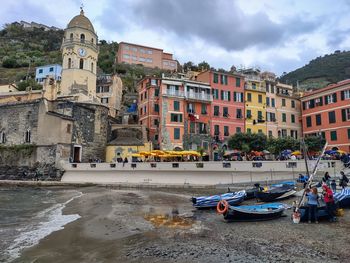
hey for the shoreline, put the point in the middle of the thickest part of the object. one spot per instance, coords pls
(114, 227)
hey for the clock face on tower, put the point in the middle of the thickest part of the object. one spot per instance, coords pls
(82, 52)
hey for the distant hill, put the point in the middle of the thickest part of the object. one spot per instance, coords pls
(321, 71)
(21, 50)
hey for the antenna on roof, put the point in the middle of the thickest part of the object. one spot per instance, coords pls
(82, 8)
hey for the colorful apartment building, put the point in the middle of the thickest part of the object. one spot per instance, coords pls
(288, 112)
(283, 115)
(255, 102)
(228, 103)
(269, 80)
(176, 112)
(326, 113)
(147, 56)
(109, 90)
(43, 72)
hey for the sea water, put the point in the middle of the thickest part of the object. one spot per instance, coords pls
(29, 214)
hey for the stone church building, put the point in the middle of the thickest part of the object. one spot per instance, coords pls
(63, 122)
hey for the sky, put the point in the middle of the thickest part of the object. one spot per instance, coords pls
(273, 35)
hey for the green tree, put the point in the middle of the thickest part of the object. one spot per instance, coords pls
(277, 145)
(247, 142)
(314, 143)
(203, 65)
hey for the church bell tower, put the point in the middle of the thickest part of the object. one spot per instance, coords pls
(79, 58)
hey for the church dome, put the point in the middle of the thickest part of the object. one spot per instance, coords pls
(81, 21)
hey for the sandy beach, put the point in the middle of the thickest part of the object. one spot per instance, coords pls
(162, 226)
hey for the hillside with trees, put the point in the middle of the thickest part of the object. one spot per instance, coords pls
(321, 71)
(21, 50)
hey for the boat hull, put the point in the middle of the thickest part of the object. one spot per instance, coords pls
(321, 211)
(343, 198)
(206, 202)
(241, 213)
(274, 195)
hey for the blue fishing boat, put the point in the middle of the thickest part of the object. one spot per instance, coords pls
(253, 212)
(234, 198)
(321, 212)
(343, 198)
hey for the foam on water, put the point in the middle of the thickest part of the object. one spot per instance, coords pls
(45, 222)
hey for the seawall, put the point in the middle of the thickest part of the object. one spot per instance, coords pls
(196, 174)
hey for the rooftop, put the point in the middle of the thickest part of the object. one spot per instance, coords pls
(329, 87)
(81, 21)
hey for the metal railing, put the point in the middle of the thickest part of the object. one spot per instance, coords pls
(199, 96)
(175, 93)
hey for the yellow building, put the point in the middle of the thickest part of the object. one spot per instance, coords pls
(255, 102)
(79, 59)
(127, 140)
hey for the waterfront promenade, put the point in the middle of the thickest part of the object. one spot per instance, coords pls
(195, 174)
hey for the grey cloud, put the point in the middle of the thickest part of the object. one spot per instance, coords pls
(219, 22)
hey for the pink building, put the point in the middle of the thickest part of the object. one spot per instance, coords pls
(228, 103)
(147, 56)
(176, 112)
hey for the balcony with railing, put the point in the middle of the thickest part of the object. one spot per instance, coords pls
(199, 96)
(255, 87)
(173, 93)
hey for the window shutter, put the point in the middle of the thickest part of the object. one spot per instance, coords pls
(180, 117)
(342, 95)
(222, 95)
(325, 100)
(234, 96)
(343, 114)
(241, 97)
(304, 105)
(321, 101)
(334, 97)
(229, 96)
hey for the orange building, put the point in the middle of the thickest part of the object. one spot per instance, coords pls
(326, 112)
(147, 56)
(176, 112)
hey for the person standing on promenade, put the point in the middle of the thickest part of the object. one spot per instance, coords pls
(326, 179)
(334, 186)
(312, 203)
(343, 180)
(329, 200)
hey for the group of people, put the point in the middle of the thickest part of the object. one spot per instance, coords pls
(313, 199)
(329, 188)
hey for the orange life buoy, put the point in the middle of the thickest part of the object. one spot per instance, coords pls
(222, 207)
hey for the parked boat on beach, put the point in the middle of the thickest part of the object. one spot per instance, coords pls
(321, 212)
(276, 192)
(343, 198)
(234, 198)
(254, 212)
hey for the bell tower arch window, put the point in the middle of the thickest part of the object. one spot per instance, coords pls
(71, 37)
(69, 63)
(81, 64)
(82, 38)
(92, 67)
(27, 136)
(92, 40)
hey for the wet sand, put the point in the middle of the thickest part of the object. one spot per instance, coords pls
(162, 226)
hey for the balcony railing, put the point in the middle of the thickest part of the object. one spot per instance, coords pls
(257, 88)
(175, 93)
(199, 96)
